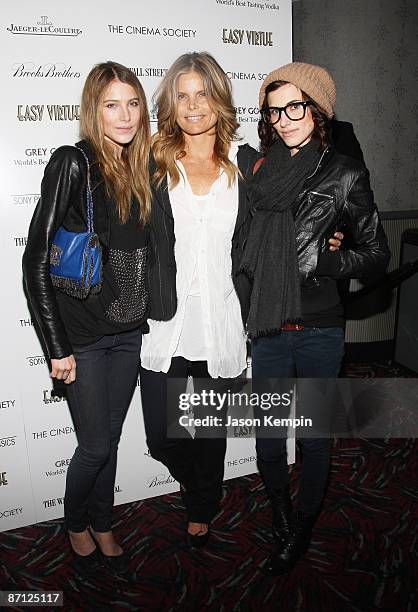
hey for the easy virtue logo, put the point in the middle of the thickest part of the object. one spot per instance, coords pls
(252, 37)
(44, 27)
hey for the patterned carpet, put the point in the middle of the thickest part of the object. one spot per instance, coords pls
(362, 556)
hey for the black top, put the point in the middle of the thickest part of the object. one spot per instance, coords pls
(122, 303)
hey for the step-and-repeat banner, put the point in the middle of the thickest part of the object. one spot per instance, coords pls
(48, 49)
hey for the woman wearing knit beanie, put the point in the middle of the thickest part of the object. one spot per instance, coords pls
(302, 193)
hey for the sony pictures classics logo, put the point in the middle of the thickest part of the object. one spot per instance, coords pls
(43, 27)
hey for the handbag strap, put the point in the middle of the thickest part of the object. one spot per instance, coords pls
(90, 227)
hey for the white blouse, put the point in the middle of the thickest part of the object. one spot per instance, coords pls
(207, 325)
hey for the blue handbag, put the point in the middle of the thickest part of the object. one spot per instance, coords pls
(75, 258)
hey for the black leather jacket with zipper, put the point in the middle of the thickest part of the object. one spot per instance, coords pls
(337, 196)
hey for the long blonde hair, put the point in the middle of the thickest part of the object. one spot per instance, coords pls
(168, 144)
(128, 175)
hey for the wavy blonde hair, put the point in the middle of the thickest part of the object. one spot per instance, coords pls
(128, 175)
(168, 143)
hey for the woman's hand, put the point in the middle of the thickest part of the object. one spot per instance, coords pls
(64, 369)
(335, 243)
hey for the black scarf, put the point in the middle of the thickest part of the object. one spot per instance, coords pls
(270, 257)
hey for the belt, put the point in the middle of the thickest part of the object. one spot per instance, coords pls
(292, 327)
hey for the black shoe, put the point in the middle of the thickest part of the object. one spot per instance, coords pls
(118, 564)
(87, 565)
(197, 541)
(292, 546)
(281, 505)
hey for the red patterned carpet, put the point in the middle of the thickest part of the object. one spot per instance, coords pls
(362, 557)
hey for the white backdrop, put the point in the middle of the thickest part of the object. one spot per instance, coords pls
(47, 50)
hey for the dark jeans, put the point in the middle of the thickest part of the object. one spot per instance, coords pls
(308, 353)
(107, 372)
(196, 463)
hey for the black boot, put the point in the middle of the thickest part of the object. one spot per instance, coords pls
(282, 512)
(292, 546)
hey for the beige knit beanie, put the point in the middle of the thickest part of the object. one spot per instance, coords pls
(315, 81)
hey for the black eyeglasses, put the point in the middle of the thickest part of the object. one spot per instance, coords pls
(295, 111)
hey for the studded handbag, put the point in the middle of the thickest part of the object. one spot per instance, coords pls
(75, 258)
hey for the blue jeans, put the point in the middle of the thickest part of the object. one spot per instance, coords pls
(308, 353)
(107, 372)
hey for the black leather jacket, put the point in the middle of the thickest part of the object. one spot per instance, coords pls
(62, 202)
(337, 196)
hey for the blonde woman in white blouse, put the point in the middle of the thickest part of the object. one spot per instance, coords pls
(201, 213)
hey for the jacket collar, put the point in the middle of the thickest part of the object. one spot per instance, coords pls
(323, 160)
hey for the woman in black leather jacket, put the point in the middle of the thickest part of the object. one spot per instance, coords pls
(302, 193)
(94, 343)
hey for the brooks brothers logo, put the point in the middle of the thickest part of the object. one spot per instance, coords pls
(152, 31)
(8, 441)
(36, 360)
(50, 70)
(241, 461)
(159, 480)
(265, 4)
(9, 403)
(148, 71)
(57, 431)
(3, 479)
(257, 38)
(55, 112)
(11, 512)
(25, 199)
(43, 27)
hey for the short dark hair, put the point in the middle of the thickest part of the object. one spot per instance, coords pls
(268, 134)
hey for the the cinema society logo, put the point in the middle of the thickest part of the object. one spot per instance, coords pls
(3, 479)
(43, 27)
(50, 70)
(10, 512)
(246, 76)
(257, 38)
(54, 112)
(151, 31)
